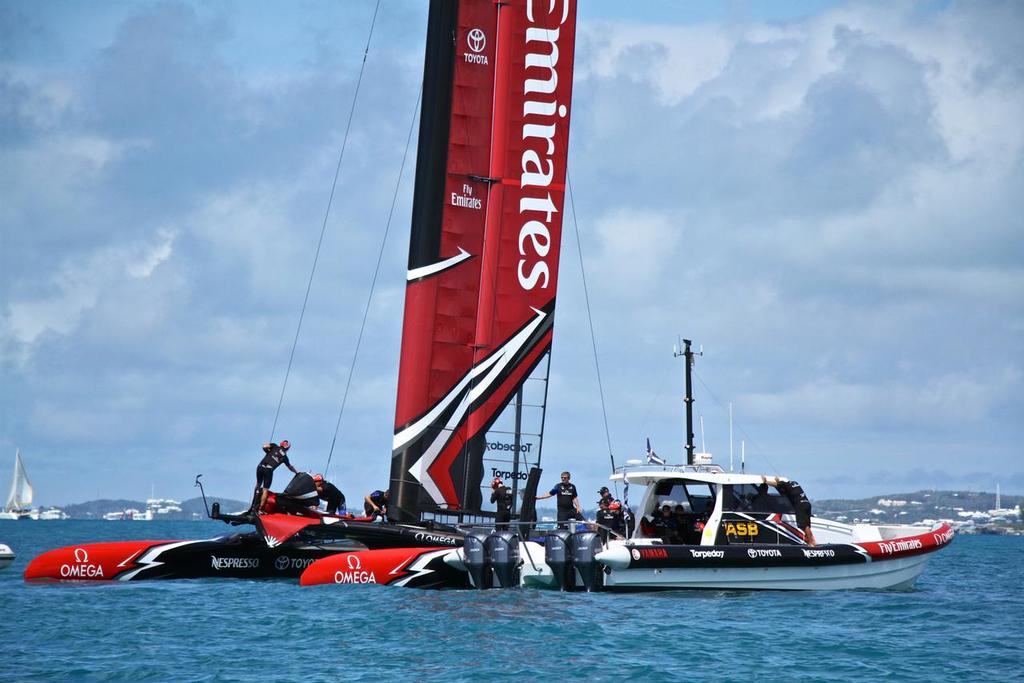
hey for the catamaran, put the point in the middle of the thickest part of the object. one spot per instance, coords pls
(479, 306)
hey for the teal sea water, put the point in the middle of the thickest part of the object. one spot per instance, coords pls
(963, 622)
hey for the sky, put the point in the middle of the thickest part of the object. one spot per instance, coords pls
(825, 197)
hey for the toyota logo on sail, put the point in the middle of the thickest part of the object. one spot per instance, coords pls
(476, 40)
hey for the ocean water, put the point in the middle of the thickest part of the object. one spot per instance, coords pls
(963, 622)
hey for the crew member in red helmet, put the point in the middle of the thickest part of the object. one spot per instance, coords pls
(274, 455)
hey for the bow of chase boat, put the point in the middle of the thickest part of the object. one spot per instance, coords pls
(733, 540)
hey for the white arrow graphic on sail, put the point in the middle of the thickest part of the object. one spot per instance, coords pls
(424, 271)
(493, 367)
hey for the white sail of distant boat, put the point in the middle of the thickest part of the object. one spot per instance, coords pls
(19, 501)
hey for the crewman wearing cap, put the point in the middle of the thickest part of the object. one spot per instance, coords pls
(501, 496)
(330, 494)
(606, 495)
(273, 456)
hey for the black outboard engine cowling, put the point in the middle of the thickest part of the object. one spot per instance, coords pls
(475, 549)
(558, 556)
(502, 547)
(586, 546)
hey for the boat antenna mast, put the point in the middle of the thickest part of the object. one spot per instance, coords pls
(688, 353)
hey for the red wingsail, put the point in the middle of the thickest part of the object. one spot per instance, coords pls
(483, 258)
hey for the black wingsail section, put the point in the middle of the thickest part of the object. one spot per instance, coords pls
(432, 154)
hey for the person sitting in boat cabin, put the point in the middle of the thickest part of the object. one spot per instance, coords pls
(376, 504)
(330, 494)
(684, 526)
(795, 493)
(667, 525)
(761, 502)
(568, 499)
(274, 455)
(501, 496)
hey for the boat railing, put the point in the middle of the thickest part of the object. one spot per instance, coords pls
(671, 469)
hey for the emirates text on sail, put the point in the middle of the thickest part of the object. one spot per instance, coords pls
(539, 124)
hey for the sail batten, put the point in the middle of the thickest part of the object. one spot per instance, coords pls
(486, 232)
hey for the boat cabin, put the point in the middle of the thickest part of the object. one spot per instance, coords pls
(705, 505)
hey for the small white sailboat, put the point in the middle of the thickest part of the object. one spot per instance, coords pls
(19, 501)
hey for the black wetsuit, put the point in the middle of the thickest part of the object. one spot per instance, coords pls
(566, 494)
(795, 493)
(502, 496)
(334, 498)
(606, 518)
(272, 459)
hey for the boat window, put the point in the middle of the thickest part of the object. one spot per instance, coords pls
(694, 496)
(747, 498)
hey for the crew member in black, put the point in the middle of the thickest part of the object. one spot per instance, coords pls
(273, 456)
(606, 495)
(795, 493)
(501, 496)
(376, 503)
(330, 494)
(568, 500)
(606, 518)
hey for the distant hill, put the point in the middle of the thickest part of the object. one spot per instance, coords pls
(915, 507)
(190, 509)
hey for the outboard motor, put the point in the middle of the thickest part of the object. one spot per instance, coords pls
(558, 555)
(502, 547)
(477, 559)
(586, 545)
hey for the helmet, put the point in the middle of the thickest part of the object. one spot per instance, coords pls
(318, 478)
(615, 505)
(496, 482)
(285, 445)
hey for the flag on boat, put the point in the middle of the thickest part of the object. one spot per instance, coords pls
(625, 489)
(652, 457)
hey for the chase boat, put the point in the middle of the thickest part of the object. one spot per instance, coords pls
(736, 543)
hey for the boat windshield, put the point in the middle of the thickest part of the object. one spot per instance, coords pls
(748, 498)
(694, 496)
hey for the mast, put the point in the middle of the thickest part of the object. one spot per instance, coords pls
(688, 356)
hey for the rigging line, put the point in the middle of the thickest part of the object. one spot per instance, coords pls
(740, 427)
(373, 283)
(327, 213)
(590, 319)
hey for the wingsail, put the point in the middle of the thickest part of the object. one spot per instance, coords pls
(486, 233)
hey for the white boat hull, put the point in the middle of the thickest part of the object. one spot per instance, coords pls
(887, 574)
